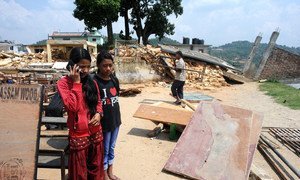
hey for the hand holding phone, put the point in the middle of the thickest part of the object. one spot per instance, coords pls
(74, 73)
(70, 65)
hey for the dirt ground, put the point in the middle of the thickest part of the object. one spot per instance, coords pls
(139, 157)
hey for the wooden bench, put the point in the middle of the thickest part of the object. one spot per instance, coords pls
(54, 133)
(52, 152)
(59, 121)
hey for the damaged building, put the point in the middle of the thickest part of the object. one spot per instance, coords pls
(276, 63)
(59, 44)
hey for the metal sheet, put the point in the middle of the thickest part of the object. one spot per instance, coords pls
(197, 56)
(196, 97)
(19, 130)
(195, 155)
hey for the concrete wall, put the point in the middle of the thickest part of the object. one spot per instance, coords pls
(33, 49)
(193, 47)
(99, 39)
(5, 47)
(69, 38)
(134, 71)
(281, 64)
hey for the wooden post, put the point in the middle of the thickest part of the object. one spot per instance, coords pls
(49, 54)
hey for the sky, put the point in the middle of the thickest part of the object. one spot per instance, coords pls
(216, 21)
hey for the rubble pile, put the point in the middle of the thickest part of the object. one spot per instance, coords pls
(201, 76)
(13, 60)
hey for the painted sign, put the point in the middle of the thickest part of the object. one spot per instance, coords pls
(20, 117)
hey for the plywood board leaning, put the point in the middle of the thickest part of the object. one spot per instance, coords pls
(215, 144)
(19, 130)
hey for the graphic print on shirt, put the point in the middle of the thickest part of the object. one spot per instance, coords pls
(111, 98)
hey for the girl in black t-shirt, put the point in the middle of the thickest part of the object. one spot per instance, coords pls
(111, 120)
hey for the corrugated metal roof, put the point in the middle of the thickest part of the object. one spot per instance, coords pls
(197, 56)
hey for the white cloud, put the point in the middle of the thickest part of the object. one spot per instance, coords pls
(12, 14)
(61, 4)
(194, 4)
(220, 22)
(22, 25)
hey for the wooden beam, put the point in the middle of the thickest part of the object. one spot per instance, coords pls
(188, 104)
(49, 54)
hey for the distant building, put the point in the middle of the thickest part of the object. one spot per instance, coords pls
(197, 45)
(93, 36)
(194, 47)
(10, 46)
(38, 47)
(60, 49)
(59, 44)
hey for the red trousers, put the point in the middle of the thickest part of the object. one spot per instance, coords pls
(86, 158)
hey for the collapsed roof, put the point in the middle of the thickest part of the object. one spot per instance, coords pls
(198, 56)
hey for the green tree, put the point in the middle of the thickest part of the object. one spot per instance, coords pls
(126, 5)
(154, 14)
(98, 13)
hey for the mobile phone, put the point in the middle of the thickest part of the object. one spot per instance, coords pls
(70, 65)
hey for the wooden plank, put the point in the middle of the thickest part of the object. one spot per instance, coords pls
(54, 143)
(54, 120)
(51, 161)
(162, 114)
(188, 104)
(54, 133)
(226, 157)
(19, 130)
(171, 105)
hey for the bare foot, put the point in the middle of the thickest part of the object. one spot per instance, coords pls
(110, 173)
(106, 177)
(172, 95)
(177, 102)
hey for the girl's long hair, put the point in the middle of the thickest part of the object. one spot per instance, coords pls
(88, 85)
